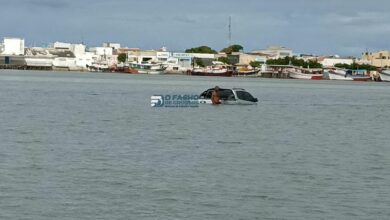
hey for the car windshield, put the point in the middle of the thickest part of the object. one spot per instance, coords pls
(243, 95)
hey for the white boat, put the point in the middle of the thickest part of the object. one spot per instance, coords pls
(211, 70)
(347, 74)
(336, 75)
(176, 69)
(233, 96)
(217, 69)
(149, 68)
(297, 73)
(385, 75)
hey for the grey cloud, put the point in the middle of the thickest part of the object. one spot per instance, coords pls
(185, 19)
(51, 4)
(308, 26)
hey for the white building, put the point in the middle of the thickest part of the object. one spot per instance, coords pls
(13, 46)
(163, 56)
(203, 55)
(61, 46)
(103, 57)
(77, 49)
(275, 52)
(71, 56)
(114, 46)
(143, 56)
(183, 59)
(102, 51)
(38, 57)
(242, 59)
(330, 61)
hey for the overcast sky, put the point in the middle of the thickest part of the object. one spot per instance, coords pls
(344, 27)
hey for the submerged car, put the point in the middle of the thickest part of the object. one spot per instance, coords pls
(235, 96)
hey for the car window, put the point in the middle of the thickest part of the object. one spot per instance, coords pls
(243, 95)
(206, 94)
(226, 94)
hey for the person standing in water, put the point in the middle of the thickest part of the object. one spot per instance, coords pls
(215, 96)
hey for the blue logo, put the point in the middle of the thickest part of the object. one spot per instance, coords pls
(174, 101)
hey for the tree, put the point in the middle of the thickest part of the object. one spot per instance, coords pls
(232, 48)
(199, 62)
(295, 62)
(224, 60)
(201, 49)
(355, 66)
(255, 64)
(122, 58)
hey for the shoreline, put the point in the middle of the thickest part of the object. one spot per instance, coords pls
(174, 74)
(213, 78)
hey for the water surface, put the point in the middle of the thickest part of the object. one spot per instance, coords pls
(89, 146)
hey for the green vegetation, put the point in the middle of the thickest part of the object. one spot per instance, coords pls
(201, 49)
(255, 64)
(232, 48)
(355, 66)
(224, 60)
(199, 62)
(122, 58)
(295, 62)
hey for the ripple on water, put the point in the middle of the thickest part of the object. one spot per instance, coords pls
(303, 153)
(230, 142)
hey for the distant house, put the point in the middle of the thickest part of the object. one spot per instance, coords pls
(67, 56)
(378, 59)
(12, 53)
(63, 60)
(182, 59)
(206, 58)
(242, 59)
(114, 46)
(332, 61)
(12, 46)
(38, 58)
(139, 56)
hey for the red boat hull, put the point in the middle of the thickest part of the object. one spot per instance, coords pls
(320, 77)
(225, 74)
(361, 79)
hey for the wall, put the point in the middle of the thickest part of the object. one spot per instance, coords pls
(13, 46)
(378, 59)
(330, 62)
(108, 51)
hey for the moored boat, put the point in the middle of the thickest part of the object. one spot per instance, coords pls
(335, 74)
(300, 73)
(358, 75)
(215, 70)
(346, 74)
(385, 75)
(147, 68)
(246, 72)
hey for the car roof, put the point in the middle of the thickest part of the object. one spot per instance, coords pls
(235, 89)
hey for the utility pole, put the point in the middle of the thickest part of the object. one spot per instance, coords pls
(230, 30)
